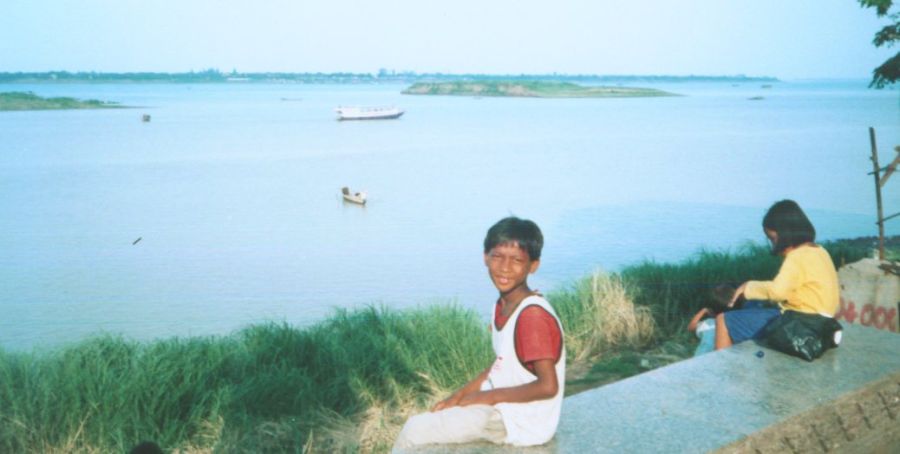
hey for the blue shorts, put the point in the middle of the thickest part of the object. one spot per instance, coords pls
(748, 322)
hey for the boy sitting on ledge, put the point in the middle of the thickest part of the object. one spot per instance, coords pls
(517, 399)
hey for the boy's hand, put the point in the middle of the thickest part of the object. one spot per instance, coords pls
(451, 401)
(471, 387)
(475, 398)
(545, 387)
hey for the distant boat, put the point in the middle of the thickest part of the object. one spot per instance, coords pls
(357, 197)
(368, 113)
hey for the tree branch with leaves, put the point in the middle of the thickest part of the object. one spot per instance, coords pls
(889, 71)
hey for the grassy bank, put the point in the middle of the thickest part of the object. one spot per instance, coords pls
(532, 89)
(17, 100)
(266, 387)
(346, 384)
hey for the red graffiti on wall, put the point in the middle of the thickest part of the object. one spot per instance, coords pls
(870, 315)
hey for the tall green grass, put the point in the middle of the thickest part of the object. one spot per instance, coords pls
(346, 384)
(599, 315)
(264, 388)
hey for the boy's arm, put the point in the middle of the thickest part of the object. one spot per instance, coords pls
(470, 387)
(545, 387)
(692, 325)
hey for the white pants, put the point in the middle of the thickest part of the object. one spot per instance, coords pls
(452, 425)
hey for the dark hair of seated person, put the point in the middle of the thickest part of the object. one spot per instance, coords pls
(788, 220)
(721, 296)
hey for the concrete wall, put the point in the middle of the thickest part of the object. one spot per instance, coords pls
(870, 296)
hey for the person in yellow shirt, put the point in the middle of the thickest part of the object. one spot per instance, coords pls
(807, 281)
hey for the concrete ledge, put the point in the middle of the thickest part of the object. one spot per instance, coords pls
(863, 421)
(736, 401)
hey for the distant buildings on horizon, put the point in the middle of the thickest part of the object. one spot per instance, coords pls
(382, 76)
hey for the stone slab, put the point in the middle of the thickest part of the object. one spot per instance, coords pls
(715, 400)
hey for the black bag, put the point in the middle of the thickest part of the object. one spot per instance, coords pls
(802, 335)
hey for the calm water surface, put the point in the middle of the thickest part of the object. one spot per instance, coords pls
(234, 192)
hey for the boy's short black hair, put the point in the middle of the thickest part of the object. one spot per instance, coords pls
(514, 230)
(790, 223)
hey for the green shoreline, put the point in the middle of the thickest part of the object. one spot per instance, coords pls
(529, 89)
(349, 382)
(18, 100)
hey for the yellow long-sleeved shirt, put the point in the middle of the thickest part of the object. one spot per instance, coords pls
(807, 282)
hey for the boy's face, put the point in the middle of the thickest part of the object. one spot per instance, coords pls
(509, 266)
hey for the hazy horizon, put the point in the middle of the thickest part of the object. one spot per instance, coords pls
(400, 72)
(674, 78)
(789, 41)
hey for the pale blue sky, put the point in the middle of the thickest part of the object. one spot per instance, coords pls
(792, 39)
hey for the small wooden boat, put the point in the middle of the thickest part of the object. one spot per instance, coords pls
(368, 113)
(357, 197)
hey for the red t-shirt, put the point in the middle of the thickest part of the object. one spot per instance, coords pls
(537, 335)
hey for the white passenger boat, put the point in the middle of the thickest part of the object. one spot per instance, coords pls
(368, 113)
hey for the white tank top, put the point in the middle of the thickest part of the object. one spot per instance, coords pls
(529, 423)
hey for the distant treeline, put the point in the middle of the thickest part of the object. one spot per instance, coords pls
(382, 76)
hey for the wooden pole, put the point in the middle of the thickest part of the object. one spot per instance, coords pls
(877, 194)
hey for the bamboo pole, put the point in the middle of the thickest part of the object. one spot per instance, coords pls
(877, 193)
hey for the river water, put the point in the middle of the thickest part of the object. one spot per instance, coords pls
(233, 190)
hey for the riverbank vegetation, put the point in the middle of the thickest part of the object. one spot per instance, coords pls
(346, 384)
(528, 88)
(17, 100)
